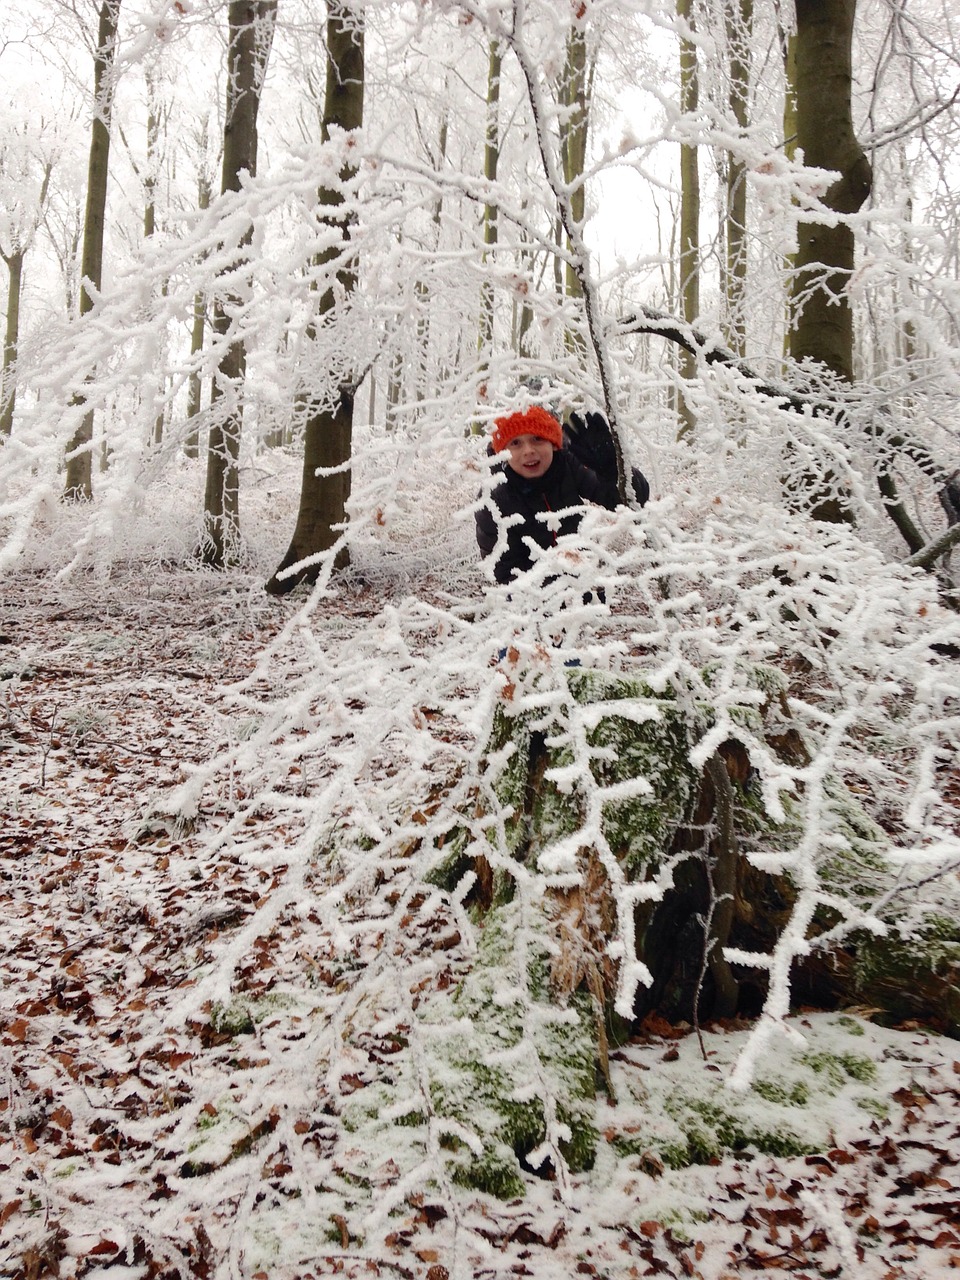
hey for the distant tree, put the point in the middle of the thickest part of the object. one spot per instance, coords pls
(423, 288)
(17, 232)
(822, 318)
(328, 437)
(491, 157)
(157, 117)
(788, 52)
(689, 202)
(574, 98)
(198, 324)
(822, 328)
(251, 26)
(739, 25)
(79, 476)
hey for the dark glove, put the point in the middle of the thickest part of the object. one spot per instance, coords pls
(949, 497)
(590, 440)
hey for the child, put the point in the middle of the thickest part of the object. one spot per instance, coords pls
(541, 476)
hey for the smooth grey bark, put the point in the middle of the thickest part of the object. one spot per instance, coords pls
(8, 387)
(78, 485)
(822, 327)
(328, 437)
(739, 24)
(579, 254)
(822, 318)
(251, 24)
(491, 158)
(191, 445)
(689, 209)
(574, 98)
(14, 260)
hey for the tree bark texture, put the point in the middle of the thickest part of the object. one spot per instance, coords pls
(822, 318)
(328, 440)
(191, 445)
(491, 158)
(575, 101)
(251, 24)
(739, 20)
(690, 836)
(8, 387)
(78, 484)
(424, 385)
(788, 51)
(689, 209)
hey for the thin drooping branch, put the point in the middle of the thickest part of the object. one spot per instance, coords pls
(648, 320)
(723, 879)
(927, 556)
(579, 255)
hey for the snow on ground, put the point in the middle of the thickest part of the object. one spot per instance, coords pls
(190, 1039)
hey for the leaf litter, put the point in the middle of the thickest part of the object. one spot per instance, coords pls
(209, 1042)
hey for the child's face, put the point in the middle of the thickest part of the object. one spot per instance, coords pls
(529, 456)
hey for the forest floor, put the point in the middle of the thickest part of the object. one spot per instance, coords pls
(111, 693)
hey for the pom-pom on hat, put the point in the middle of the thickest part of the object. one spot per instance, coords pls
(533, 422)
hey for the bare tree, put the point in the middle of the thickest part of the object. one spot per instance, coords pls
(491, 157)
(13, 250)
(822, 327)
(328, 439)
(689, 204)
(191, 446)
(574, 98)
(739, 24)
(79, 477)
(251, 25)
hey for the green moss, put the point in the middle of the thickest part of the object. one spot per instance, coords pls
(781, 1142)
(454, 861)
(676, 1155)
(522, 1048)
(680, 1129)
(851, 1025)
(914, 974)
(874, 1107)
(838, 1068)
(794, 1095)
(234, 1019)
(241, 1015)
(496, 1172)
(710, 1129)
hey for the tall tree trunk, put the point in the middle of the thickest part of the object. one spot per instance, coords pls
(822, 319)
(739, 20)
(79, 473)
(150, 204)
(328, 438)
(491, 157)
(251, 24)
(689, 209)
(14, 260)
(8, 386)
(788, 49)
(578, 253)
(422, 388)
(822, 327)
(574, 122)
(394, 390)
(523, 311)
(191, 445)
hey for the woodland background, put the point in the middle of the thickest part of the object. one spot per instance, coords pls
(348, 926)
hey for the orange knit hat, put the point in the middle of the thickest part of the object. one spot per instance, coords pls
(534, 422)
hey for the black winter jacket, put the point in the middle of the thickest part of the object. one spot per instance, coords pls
(567, 483)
